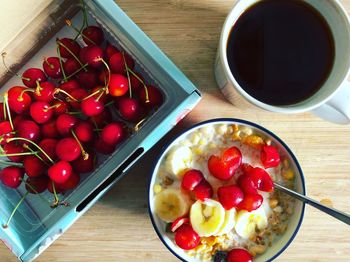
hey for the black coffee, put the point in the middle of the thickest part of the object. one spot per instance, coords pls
(281, 51)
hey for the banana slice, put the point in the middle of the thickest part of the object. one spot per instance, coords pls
(171, 204)
(207, 217)
(247, 222)
(178, 159)
(229, 222)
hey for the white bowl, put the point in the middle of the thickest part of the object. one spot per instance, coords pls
(295, 219)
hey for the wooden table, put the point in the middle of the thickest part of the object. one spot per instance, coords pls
(118, 228)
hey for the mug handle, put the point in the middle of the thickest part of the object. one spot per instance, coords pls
(337, 109)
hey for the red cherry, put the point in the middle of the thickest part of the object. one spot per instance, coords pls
(41, 112)
(103, 77)
(130, 109)
(71, 183)
(84, 131)
(68, 149)
(29, 129)
(12, 176)
(78, 94)
(191, 179)
(33, 166)
(225, 167)
(37, 185)
(70, 66)
(178, 223)
(246, 184)
(155, 97)
(14, 148)
(118, 85)
(103, 148)
(70, 85)
(93, 35)
(92, 55)
(136, 84)
(87, 79)
(18, 102)
(18, 119)
(203, 190)
(5, 132)
(261, 179)
(83, 166)
(250, 202)
(46, 92)
(116, 63)
(65, 123)
(69, 44)
(102, 119)
(113, 133)
(49, 146)
(2, 116)
(91, 106)
(60, 107)
(186, 238)
(60, 172)
(110, 50)
(230, 196)
(49, 130)
(52, 67)
(31, 76)
(101, 95)
(269, 156)
(239, 255)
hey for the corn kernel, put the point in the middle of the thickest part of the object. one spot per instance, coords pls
(186, 143)
(235, 127)
(236, 136)
(288, 174)
(246, 131)
(285, 163)
(254, 141)
(256, 250)
(157, 188)
(268, 142)
(200, 248)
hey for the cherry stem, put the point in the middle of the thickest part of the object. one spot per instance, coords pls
(9, 163)
(96, 127)
(69, 23)
(35, 153)
(109, 73)
(77, 71)
(31, 142)
(94, 93)
(4, 110)
(20, 97)
(138, 125)
(61, 64)
(58, 90)
(84, 154)
(85, 21)
(3, 54)
(14, 211)
(109, 104)
(143, 83)
(6, 102)
(20, 154)
(69, 51)
(75, 113)
(57, 201)
(128, 75)
(47, 62)
(51, 107)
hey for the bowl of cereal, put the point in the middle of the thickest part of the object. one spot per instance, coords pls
(212, 195)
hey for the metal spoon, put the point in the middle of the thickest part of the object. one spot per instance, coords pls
(330, 211)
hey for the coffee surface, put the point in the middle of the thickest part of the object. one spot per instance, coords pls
(281, 51)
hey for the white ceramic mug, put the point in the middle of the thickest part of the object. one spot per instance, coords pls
(332, 101)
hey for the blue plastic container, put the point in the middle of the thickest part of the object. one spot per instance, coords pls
(35, 225)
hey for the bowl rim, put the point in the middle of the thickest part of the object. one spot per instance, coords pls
(240, 121)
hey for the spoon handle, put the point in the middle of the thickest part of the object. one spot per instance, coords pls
(330, 211)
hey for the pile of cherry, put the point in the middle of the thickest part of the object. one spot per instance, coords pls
(84, 101)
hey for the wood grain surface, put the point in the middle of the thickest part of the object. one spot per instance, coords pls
(118, 227)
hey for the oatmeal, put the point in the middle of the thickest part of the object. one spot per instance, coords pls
(214, 191)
